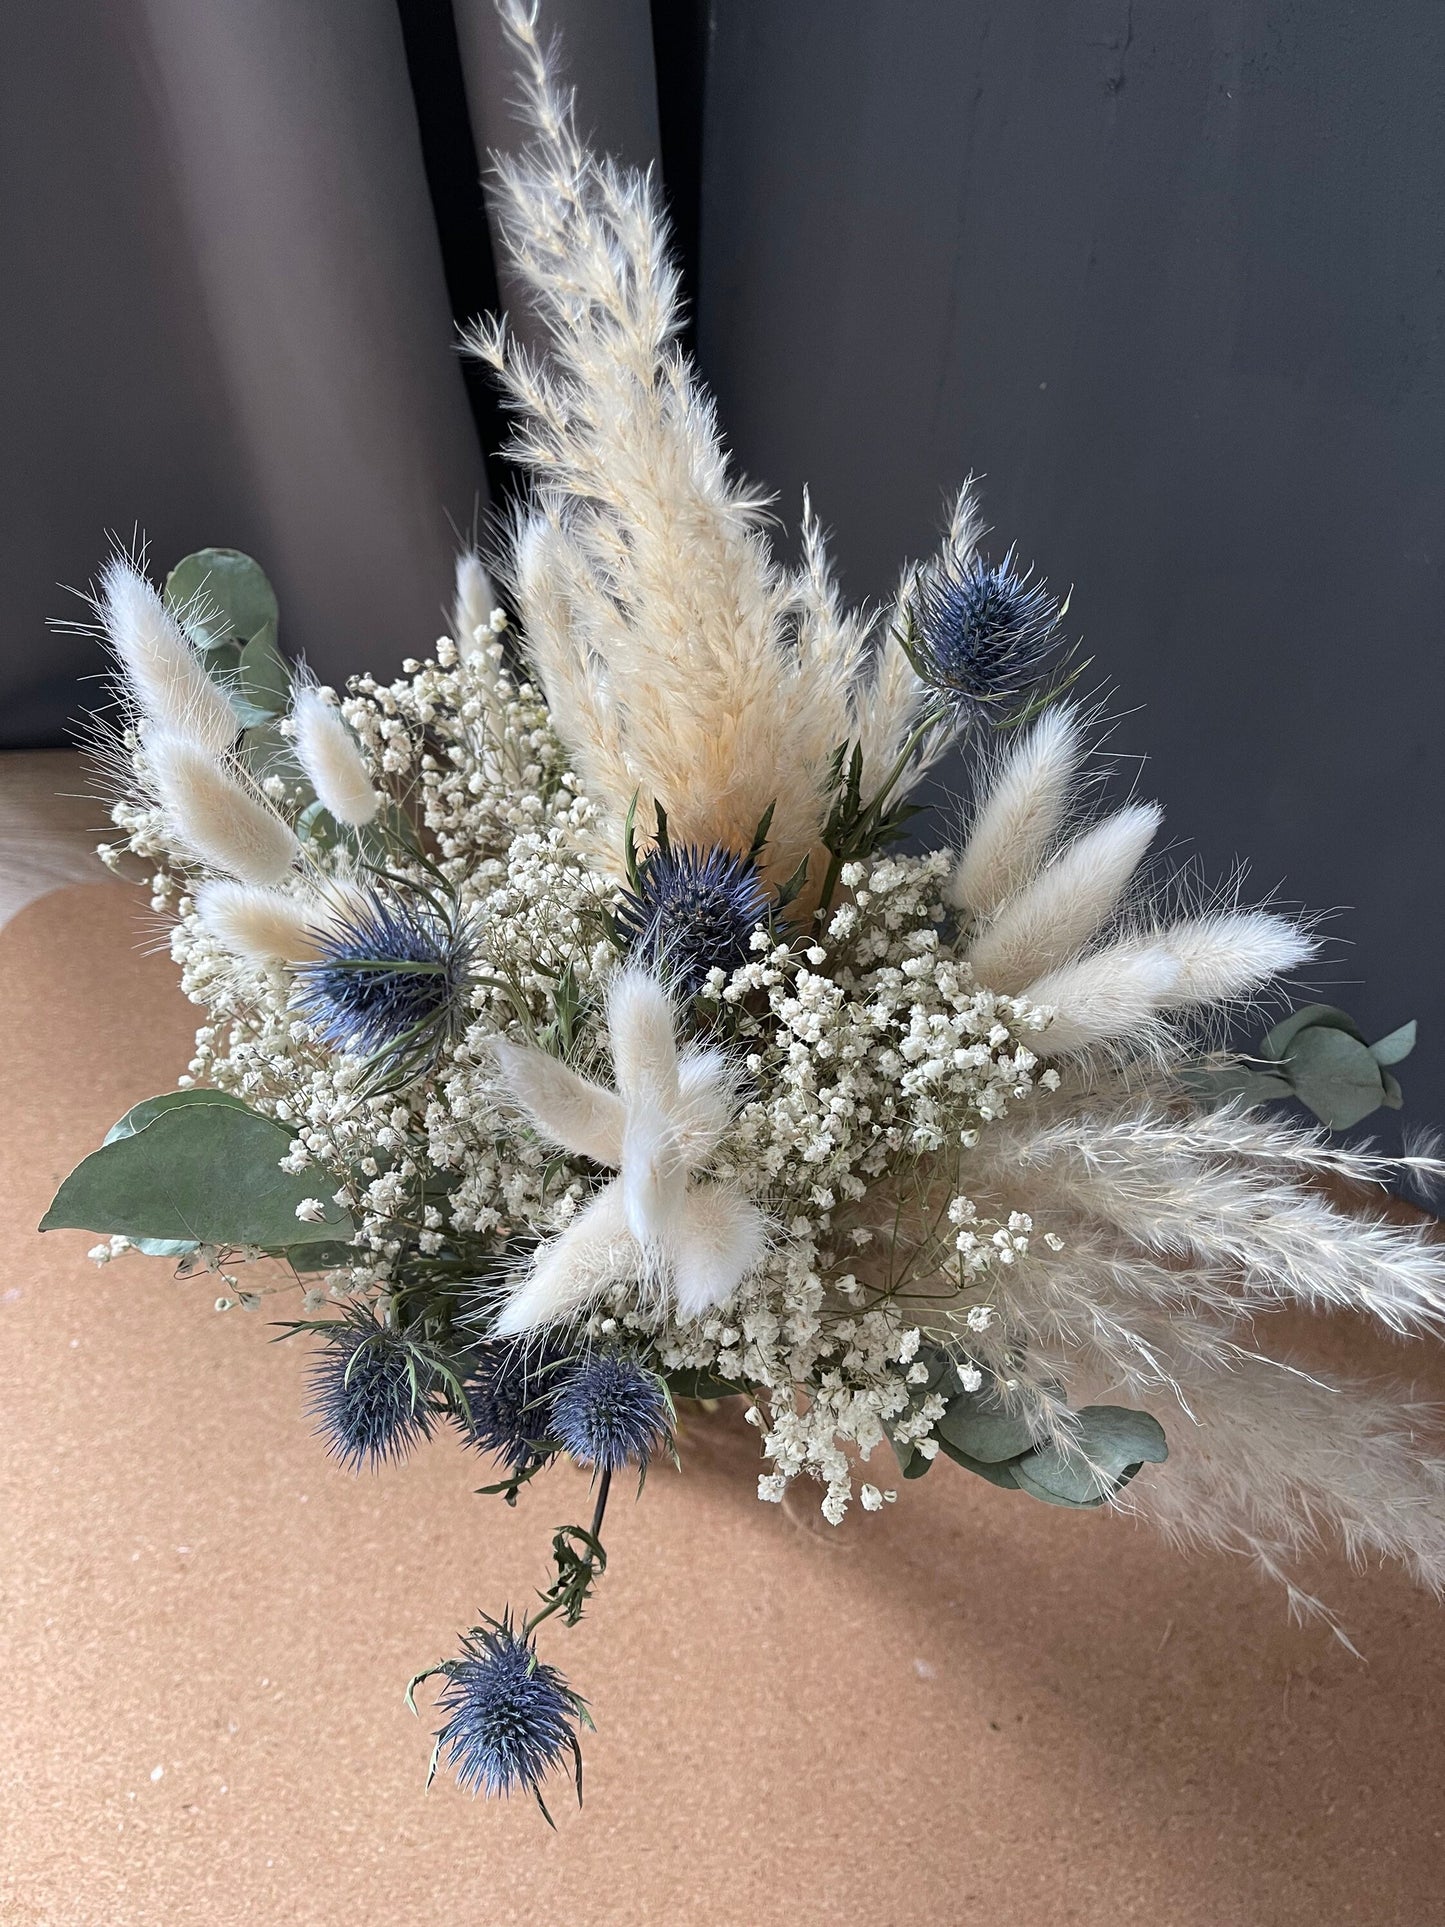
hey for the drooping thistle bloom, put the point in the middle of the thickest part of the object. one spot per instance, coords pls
(982, 633)
(389, 978)
(511, 1719)
(509, 1392)
(610, 1412)
(693, 910)
(367, 1392)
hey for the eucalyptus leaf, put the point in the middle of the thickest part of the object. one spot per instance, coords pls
(267, 752)
(1240, 1083)
(695, 1384)
(1397, 1046)
(318, 827)
(150, 1108)
(230, 587)
(1276, 1043)
(1110, 1445)
(265, 680)
(1394, 1097)
(979, 1425)
(198, 1172)
(1000, 1473)
(1335, 1075)
(317, 1257)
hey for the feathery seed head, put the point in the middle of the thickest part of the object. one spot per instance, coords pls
(366, 1392)
(511, 1719)
(332, 759)
(165, 679)
(984, 633)
(390, 978)
(610, 1412)
(693, 910)
(215, 812)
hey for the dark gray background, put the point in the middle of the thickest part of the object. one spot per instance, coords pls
(1170, 275)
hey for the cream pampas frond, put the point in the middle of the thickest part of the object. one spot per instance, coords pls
(681, 664)
(1173, 1233)
(165, 679)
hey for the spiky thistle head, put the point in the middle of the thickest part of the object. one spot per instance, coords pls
(511, 1719)
(390, 977)
(611, 1411)
(369, 1392)
(982, 633)
(692, 910)
(509, 1392)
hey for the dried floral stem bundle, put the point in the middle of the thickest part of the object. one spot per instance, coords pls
(581, 1037)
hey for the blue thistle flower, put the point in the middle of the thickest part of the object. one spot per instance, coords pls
(511, 1719)
(610, 1412)
(508, 1392)
(367, 1392)
(983, 633)
(390, 979)
(693, 910)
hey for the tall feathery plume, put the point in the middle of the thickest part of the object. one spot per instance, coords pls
(163, 675)
(681, 664)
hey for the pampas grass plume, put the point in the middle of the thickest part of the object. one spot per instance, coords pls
(166, 681)
(218, 815)
(334, 765)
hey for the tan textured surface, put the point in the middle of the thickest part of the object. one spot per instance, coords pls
(968, 1709)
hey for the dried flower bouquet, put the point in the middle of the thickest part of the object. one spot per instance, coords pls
(582, 1039)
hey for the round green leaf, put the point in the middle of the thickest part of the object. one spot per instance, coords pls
(978, 1425)
(695, 1384)
(1335, 1075)
(229, 588)
(997, 1473)
(1395, 1048)
(1111, 1443)
(1276, 1043)
(1240, 1083)
(200, 1173)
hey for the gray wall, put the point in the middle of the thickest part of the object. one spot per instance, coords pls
(1173, 277)
(224, 322)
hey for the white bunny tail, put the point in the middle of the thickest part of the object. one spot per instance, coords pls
(1052, 918)
(473, 601)
(569, 1271)
(165, 679)
(264, 925)
(1016, 823)
(218, 816)
(329, 754)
